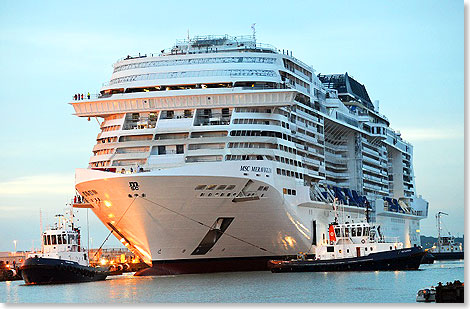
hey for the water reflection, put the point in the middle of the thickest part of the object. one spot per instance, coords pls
(383, 286)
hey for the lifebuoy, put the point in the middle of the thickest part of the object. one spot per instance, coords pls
(363, 241)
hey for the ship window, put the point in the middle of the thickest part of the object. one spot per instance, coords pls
(337, 232)
(161, 150)
(221, 187)
(70, 238)
(366, 231)
(353, 232)
(54, 240)
(200, 187)
(211, 187)
(48, 239)
(64, 239)
(187, 113)
(231, 187)
(179, 149)
(346, 232)
(59, 239)
(330, 249)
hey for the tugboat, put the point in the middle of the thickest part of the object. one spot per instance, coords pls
(354, 247)
(446, 247)
(62, 258)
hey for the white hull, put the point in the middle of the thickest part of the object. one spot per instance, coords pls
(172, 219)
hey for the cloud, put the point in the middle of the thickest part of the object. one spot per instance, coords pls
(56, 184)
(431, 134)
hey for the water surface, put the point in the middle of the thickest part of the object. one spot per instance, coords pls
(248, 287)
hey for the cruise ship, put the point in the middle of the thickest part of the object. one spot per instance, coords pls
(222, 153)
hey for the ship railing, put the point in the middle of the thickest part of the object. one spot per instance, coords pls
(389, 239)
(85, 96)
(255, 88)
(129, 57)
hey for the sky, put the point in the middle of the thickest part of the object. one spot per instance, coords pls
(409, 55)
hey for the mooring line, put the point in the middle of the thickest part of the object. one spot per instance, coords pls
(135, 197)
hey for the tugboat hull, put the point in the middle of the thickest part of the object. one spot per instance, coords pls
(49, 271)
(401, 259)
(448, 255)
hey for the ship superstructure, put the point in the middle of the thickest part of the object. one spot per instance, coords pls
(222, 148)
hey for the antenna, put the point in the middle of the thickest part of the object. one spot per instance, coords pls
(187, 48)
(40, 223)
(254, 32)
(438, 218)
(88, 236)
(334, 208)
